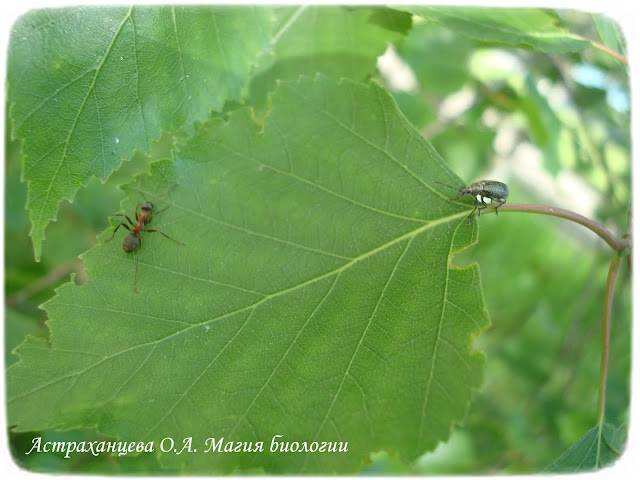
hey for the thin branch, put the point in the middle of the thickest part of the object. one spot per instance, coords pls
(606, 329)
(43, 282)
(627, 237)
(622, 249)
(615, 243)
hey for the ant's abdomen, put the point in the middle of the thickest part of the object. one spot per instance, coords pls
(129, 242)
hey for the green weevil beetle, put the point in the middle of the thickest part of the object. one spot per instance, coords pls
(485, 193)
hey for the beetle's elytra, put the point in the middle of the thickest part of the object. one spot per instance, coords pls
(485, 193)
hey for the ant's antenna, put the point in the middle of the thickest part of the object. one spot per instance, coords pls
(157, 196)
(163, 193)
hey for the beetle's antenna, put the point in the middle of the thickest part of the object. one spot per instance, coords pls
(455, 188)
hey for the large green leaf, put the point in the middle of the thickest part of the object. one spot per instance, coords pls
(532, 28)
(88, 86)
(315, 296)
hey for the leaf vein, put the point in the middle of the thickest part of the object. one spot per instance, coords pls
(262, 235)
(321, 187)
(213, 360)
(293, 342)
(364, 333)
(138, 98)
(253, 306)
(63, 158)
(432, 365)
(182, 64)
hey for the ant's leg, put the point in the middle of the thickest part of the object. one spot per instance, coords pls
(151, 230)
(135, 275)
(131, 222)
(155, 214)
(161, 210)
(114, 232)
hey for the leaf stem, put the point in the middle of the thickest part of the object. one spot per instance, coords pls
(615, 243)
(619, 246)
(606, 329)
(611, 52)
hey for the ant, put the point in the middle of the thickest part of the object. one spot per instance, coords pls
(133, 239)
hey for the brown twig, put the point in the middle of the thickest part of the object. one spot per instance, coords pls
(606, 329)
(615, 243)
(43, 282)
(621, 247)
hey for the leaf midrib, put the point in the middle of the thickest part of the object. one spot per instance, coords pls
(63, 156)
(255, 305)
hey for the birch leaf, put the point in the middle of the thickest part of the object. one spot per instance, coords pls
(314, 297)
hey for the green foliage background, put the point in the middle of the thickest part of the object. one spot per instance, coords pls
(543, 283)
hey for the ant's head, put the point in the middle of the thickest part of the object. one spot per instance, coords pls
(147, 206)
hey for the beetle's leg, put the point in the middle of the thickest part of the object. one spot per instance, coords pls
(151, 230)
(475, 207)
(502, 202)
(120, 225)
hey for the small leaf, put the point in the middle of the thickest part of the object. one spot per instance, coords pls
(88, 86)
(544, 123)
(315, 296)
(597, 448)
(521, 27)
(610, 33)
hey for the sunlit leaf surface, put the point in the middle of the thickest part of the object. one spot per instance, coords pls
(314, 297)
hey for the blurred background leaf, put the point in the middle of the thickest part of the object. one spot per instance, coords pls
(339, 42)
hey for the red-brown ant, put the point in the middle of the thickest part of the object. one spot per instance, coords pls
(133, 239)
